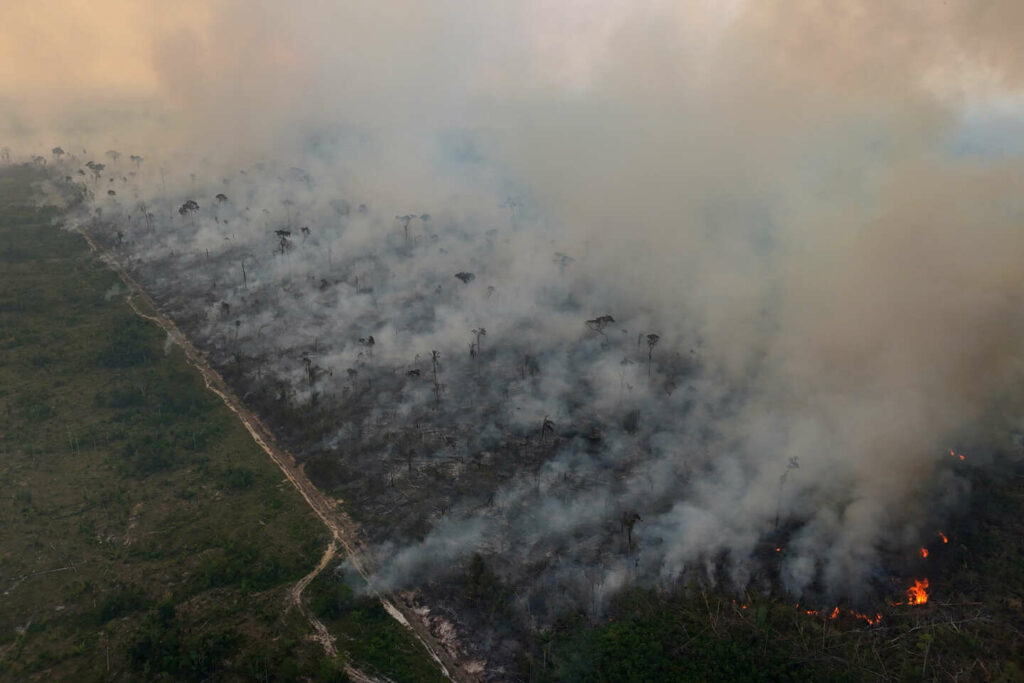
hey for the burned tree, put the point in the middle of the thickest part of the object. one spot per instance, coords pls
(562, 261)
(546, 427)
(57, 152)
(465, 277)
(652, 340)
(189, 208)
(368, 343)
(479, 332)
(96, 168)
(435, 358)
(599, 324)
(627, 522)
(284, 244)
(406, 219)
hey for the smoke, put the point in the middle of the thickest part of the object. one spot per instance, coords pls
(803, 201)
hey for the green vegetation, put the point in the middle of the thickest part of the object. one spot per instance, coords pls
(388, 650)
(143, 535)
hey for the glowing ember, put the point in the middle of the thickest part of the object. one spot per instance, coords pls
(924, 552)
(943, 537)
(778, 550)
(871, 620)
(957, 455)
(918, 593)
(835, 613)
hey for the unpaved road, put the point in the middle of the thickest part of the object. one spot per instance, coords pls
(343, 530)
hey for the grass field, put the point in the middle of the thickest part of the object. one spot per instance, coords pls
(143, 535)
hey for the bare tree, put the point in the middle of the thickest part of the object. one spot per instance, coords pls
(136, 159)
(546, 427)
(793, 464)
(563, 261)
(435, 358)
(406, 219)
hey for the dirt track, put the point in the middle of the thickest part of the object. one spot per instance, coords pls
(343, 531)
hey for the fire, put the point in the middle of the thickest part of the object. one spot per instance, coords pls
(835, 613)
(924, 552)
(957, 455)
(943, 537)
(871, 620)
(918, 593)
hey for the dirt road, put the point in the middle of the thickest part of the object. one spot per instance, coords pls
(343, 531)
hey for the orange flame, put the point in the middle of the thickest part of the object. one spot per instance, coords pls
(957, 455)
(871, 620)
(943, 537)
(924, 552)
(835, 613)
(918, 593)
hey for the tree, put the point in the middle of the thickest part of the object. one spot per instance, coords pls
(652, 340)
(189, 208)
(465, 277)
(406, 219)
(221, 197)
(368, 343)
(794, 464)
(435, 358)
(113, 155)
(136, 159)
(57, 152)
(546, 427)
(5, 154)
(284, 244)
(628, 520)
(479, 332)
(563, 261)
(96, 168)
(599, 323)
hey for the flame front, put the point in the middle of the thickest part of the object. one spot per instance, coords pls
(924, 552)
(943, 537)
(918, 593)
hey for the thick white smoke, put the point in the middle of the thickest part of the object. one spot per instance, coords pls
(798, 199)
